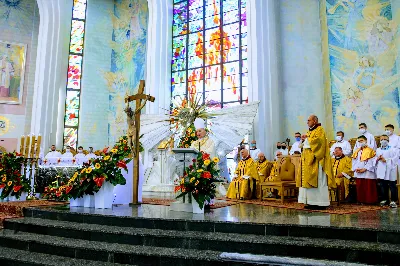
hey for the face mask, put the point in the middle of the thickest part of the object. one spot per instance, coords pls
(338, 157)
(68, 150)
(298, 138)
(283, 147)
(384, 143)
(279, 147)
(80, 151)
(388, 132)
(339, 138)
(253, 145)
(362, 144)
(362, 130)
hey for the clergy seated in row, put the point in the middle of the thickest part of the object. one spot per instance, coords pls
(342, 172)
(364, 171)
(282, 170)
(281, 150)
(296, 145)
(244, 182)
(254, 151)
(204, 143)
(342, 143)
(264, 168)
(53, 153)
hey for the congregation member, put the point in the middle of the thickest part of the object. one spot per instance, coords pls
(90, 154)
(254, 151)
(80, 154)
(342, 143)
(386, 172)
(363, 166)
(53, 153)
(342, 172)
(280, 150)
(296, 145)
(204, 143)
(394, 140)
(316, 168)
(245, 178)
(68, 154)
(371, 143)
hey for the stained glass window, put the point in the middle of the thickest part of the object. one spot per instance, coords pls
(209, 54)
(72, 101)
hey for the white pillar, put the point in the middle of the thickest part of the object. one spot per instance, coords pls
(264, 80)
(51, 68)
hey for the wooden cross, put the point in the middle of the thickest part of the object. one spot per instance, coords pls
(133, 135)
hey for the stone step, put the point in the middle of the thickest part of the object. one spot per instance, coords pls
(380, 235)
(83, 250)
(313, 248)
(11, 257)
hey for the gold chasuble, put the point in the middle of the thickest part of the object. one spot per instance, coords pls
(264, 169)
(311, 158)
(342, 165)
(240, 187)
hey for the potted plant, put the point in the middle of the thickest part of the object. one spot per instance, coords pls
(198, 181)
(13, 184)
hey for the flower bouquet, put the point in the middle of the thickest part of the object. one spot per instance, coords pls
(198, 179)
(12, 182)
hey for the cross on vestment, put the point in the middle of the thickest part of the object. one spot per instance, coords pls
(133, 119)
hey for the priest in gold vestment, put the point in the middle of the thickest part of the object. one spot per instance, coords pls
(341, 167)
(316, 167)
(264, 169)
(246, 176)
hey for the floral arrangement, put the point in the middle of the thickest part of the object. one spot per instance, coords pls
(188, 138)
(198, 179)
(89, 178)
(12, 182)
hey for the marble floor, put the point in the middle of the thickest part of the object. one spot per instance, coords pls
(388, 219)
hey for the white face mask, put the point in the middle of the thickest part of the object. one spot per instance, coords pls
(68, 150)
(384, 143)
(339, 138)
(362, 144)
(80, 151)
(362, 130)
(388, 132)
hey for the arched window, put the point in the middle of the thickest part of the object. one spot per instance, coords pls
(72, 101)
(210, 51)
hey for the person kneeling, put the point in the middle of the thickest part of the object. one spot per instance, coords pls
(246, 176)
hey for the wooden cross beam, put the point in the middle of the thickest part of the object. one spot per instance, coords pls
(140, 99)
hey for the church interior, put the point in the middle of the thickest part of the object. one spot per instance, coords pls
(199, 132)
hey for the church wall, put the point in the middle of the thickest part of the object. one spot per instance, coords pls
(96, 61)
(21, 26)
(301, 64)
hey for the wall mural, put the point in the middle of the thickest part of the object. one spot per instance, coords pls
(12, 68)
(363, 53)
(17, 14)
(129, 19)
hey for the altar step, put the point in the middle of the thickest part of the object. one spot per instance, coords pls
(142, 241)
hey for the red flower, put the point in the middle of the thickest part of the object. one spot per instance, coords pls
(190, 166)
(99, 181)
(206, 156)
(121, 164)
(58, 194)
(17, 188)
(105, 150)
(206, 174)
(2, 185)
(68, 189)
(194, 160)
(46, 189)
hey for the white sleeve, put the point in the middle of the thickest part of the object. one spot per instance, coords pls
(347, 149)
(372, 142)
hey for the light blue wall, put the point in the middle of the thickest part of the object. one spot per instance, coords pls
(301, 64)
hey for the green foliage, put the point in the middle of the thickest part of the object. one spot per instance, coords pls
(12, 181)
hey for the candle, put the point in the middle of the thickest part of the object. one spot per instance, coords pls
(39, 140)
(21, 148)
(32, 155)
(28, 142)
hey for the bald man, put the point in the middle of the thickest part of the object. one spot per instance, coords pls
(244, 181)
(316, 167)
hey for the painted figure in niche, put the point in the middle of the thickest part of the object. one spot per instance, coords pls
(6, 74)
(356, 104)
(365, 75)
(381, 36)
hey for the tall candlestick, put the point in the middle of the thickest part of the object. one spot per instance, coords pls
(21, 148)
(39, 140)
(32, 154)
(27, 145)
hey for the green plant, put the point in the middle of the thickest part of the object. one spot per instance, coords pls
(12, 182)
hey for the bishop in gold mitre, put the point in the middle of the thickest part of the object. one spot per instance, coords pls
(263, 169)
(246, 176)
(316, 167)
(341, 167)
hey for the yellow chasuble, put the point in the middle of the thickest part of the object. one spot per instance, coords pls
(264, 169)
(342, 165)
(241, 188)
(318, 154)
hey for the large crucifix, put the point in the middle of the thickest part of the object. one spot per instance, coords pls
(133, 118)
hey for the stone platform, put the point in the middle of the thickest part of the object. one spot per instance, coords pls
(236, 235)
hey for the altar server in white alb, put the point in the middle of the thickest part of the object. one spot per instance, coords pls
(91, 154)
(342, 143)
(204, 142)
(53, 153)
(394, 140)
(386, 172)
(68, 154)
(371, 143)
(296, 145)
(254, 151)
(80, 156)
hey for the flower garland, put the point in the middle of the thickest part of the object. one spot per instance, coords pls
(198, 179)
(12, 182)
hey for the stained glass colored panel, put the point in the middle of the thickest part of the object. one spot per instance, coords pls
(244, 66)
(180, 19)
(74, 72)
(79, 9)
(70, 137)
(72, 108)
(214, 95)
(178, 77)
(231, 94)
(77, 33)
